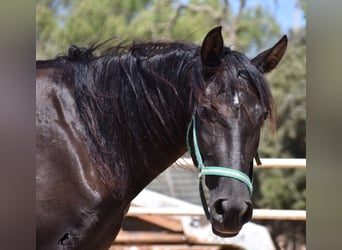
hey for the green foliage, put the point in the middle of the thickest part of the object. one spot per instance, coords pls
(82, 22)
(46, 24)
(281, 189)
(286, 188)
(64, 22)
(288, 83)
(263, 35)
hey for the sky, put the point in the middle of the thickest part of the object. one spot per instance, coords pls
(283, 11)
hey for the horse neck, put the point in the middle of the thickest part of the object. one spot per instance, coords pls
(150, 108)
(161, 139)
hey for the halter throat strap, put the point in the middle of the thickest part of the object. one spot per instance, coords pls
(213, 170)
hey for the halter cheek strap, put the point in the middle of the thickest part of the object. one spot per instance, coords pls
(214, 170)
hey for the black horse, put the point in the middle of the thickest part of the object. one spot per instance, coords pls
(108, 125)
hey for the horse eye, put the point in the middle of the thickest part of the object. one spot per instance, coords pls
(243, 74)
(207, 112)
(204, 111)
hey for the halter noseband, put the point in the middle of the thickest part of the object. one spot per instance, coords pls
(215, 170)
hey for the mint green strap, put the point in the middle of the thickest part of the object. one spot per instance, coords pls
(197, 152)
(212, 170)
(228, 172)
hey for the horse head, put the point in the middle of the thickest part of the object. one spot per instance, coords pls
(223, 135)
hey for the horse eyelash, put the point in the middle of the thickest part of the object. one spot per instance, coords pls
(266, 115)
(243, 74)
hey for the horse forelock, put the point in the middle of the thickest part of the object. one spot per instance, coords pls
(227, 80)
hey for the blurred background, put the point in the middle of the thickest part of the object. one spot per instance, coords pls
(249, 26)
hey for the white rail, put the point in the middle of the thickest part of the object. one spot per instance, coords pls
(258, 214)
(266, 163)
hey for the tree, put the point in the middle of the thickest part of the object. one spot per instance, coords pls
(64, 22)
(288, 85)
(286, 189)
(61, 23)
(46, 27)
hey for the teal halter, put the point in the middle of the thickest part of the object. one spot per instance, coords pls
(213, 170)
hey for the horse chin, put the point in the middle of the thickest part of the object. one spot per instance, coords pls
(226, 234)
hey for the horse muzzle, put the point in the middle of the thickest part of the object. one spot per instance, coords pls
(228, 216)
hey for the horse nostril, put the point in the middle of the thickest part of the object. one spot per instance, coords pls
(219, 207)
(247, 214)
(227, 208)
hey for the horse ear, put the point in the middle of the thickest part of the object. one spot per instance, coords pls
(267, 60)
(212, 47)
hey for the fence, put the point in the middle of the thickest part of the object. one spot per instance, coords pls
(258, 214)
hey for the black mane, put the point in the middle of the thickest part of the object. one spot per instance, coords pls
(142, 87)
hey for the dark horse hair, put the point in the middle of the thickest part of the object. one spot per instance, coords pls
(108, 86)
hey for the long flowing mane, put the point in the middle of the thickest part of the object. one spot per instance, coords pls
(128, 94)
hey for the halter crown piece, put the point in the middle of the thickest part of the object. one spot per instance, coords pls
(214, 170)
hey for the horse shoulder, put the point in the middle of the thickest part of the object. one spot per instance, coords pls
(71, 199)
